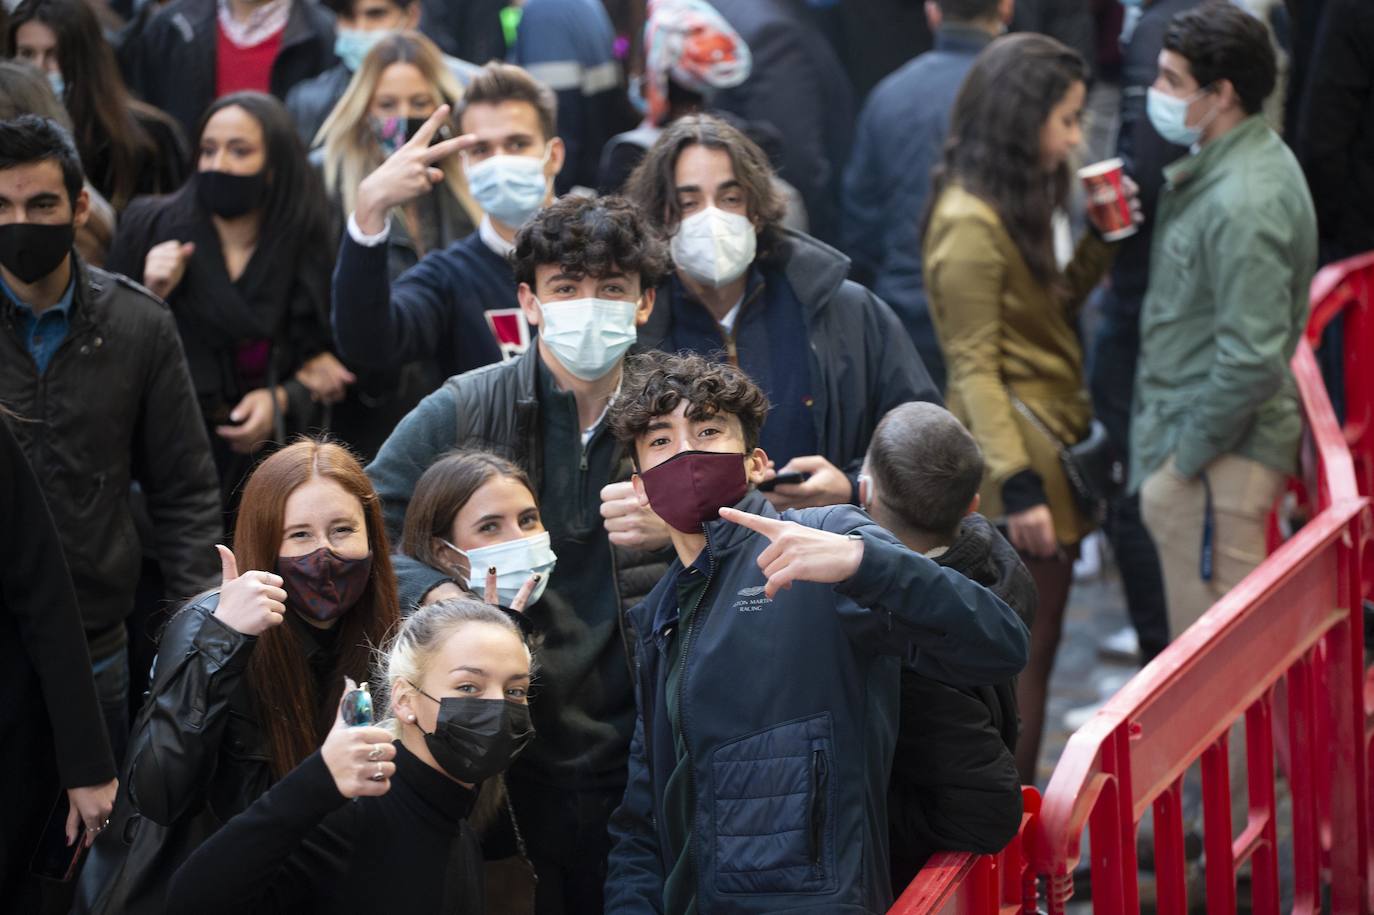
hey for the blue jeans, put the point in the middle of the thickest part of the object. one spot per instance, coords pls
(112, 690)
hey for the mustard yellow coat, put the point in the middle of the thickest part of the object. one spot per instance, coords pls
(999, 328)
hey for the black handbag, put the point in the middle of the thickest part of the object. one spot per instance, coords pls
(1087, 465)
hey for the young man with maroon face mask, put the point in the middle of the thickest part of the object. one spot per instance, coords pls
(770, 796)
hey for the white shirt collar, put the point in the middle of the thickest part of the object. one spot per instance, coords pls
(499, 246)
(264, 22)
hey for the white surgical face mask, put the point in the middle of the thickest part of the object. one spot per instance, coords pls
(1169, 116)
(510, 188)
(515, 562)
(714, 247)
(588, 336)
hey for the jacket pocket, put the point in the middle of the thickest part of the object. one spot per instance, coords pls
(773, 797)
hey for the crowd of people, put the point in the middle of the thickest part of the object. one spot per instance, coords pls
(568, 457)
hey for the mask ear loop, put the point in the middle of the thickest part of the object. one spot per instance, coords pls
(464, 566)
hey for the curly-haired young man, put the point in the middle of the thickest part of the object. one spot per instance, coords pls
(767, 664)
(586, 270)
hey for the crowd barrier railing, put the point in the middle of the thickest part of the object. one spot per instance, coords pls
(962, 883)
(1284, 650)
(1294, 627)
(1347, 288)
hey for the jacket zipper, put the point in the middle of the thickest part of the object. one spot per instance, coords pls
(690, 636)
(819, 780)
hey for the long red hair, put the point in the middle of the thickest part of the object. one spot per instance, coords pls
(295, 719)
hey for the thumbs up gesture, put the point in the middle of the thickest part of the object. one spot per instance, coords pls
(799, 553)
(250, 603)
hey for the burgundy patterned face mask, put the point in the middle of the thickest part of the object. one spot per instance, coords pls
(323, 585)
(690, 489)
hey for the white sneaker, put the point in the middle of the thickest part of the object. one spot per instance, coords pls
(1122, 645)
(1089, 562)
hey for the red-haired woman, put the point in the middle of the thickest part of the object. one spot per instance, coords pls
(249, 676)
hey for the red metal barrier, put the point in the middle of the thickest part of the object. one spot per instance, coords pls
(1284, 649)
(962, 883)
(1348, 287)
(1295, 624)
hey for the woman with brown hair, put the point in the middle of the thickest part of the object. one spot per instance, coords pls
(475, 516)
(249, 676)
(127, 147)
(1005, 312)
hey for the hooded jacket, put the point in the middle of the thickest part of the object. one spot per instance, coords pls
(861, 361)
(788, 709)
(954, 781)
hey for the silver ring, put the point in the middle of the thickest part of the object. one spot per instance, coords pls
(377, 776)
(375, 753)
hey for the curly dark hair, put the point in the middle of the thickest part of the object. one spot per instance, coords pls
(1223, 41)
(591, 236)
(653, 184)
(655, 383)
(993, 146)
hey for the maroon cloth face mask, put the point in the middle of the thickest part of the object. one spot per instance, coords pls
(323, 585)
(690, 489)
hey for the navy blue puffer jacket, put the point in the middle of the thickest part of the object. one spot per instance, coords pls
(788, 708)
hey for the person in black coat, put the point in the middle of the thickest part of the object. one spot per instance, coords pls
(93, 364)
(1116, 342)
(458, 674)
(55, 739)
(248, 676)
(800, 87)
(1336, 131)
(954, 781)
(182, 58)
(241, 254)
(831, 356)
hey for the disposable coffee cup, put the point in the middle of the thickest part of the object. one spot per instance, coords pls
(1107, 202)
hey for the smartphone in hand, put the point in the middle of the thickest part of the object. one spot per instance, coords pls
(791, 478)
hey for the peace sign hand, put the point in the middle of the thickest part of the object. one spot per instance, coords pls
(407, 173)
(800, 553)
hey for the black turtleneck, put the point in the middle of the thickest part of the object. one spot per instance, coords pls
(303, 847)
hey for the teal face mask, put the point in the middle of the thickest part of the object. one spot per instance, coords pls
(352, 45)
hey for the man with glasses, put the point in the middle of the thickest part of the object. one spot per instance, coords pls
(457, 306)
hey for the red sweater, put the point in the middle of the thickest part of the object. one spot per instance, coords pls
(239, 69)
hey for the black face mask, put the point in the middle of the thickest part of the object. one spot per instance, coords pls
(229, 196)
(31, 250)
(474, 738)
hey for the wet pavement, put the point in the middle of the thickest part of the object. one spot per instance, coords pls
(1097, 609)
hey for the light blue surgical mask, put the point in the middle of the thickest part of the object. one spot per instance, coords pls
(1169, 116)
(510, 189)
(352, 45)
(58, 86)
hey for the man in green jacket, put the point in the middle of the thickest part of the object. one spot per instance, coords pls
(1216, 420)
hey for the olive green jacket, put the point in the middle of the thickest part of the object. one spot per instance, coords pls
(1232, 258)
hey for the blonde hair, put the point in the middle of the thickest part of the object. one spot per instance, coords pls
(350, 150)
(408, 656)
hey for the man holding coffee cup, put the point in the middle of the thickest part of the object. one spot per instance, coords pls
(1216, 418)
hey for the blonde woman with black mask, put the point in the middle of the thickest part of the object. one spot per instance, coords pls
(458, 676)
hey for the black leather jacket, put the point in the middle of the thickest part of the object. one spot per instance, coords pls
(198, 756)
